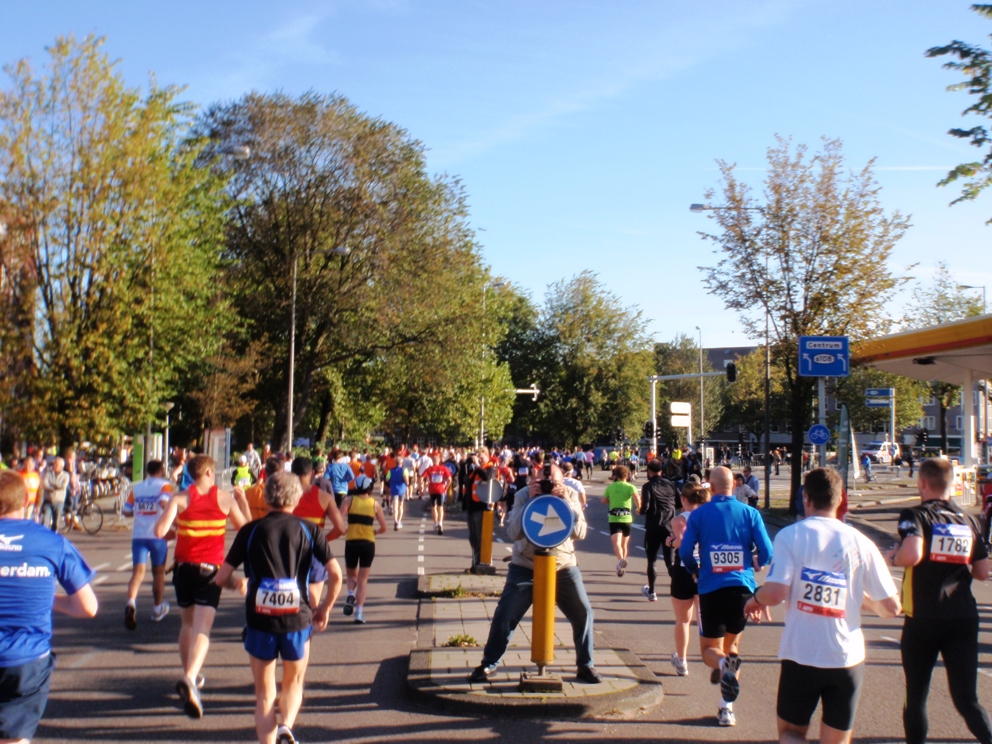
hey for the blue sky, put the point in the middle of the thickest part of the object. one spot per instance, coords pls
(583, 130)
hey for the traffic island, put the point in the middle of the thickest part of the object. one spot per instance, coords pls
(438, 673)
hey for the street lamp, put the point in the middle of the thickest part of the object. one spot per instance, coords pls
(498, 284)
(238, 152)
(766, 457)
(972, 286)
(702, 430)
(168, 405)
(339, 251)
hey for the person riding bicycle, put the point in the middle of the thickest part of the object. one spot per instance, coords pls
(866, 464)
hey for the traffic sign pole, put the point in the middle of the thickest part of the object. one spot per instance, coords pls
(542, 647)
(486, 549)
(821, 386)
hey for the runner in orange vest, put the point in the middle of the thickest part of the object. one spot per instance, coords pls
(32, 481)
(201, 514)
(316, 507)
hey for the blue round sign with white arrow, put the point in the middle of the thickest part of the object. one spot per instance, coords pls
(548, 521)
(818, 434)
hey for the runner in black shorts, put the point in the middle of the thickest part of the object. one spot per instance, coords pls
(362, 512)
(277, 552)
(683, 587)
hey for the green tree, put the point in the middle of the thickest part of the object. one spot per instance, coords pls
(975, 63)
(851, 391)
(934, 303)
(593, 360)
(123, 232)
(679, 357)
(384, 258)
(813, 255)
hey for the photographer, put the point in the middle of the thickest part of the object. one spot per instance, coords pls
(518, 592)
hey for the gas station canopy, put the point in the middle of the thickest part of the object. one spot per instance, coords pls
(959, 353)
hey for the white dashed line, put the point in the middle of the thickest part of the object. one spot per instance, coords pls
(420, 559)
(638, 527)
(420, 570)
(891, 640)
(604, 533)
(99, 580)
(639, 547)
(124, 566)
(500, 539)
(127, 555)
(986, 672)
(509, 549)
(100, 567)
(420, 547)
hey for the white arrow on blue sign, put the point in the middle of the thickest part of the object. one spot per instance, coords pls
(548, 521)
(880, 392)
(824, 356)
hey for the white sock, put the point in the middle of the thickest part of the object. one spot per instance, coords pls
(725, 704)
(722, 662)
(158, 608)
(132, 603)
(351, 592)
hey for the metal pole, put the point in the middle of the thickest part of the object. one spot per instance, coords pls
(165, 444)
(768, 416)
(292, 362)
(654, 418)
(702, 406)
(892, 416)
(542, 650)
(821, 388)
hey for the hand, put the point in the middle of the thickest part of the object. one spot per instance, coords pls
(320, 618)
(239, 492)
(758, 568)
(754, 611)
(242, 586)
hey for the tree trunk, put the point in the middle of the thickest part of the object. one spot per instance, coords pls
(801, 391)
(324, 427)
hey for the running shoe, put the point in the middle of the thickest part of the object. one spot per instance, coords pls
(440, 529)
(619, 568)
(399, 525)
(681, 665)
(349, 604)
(159, 615)
(396, 526)
(130, 617)
(649, 595)
(200, 681)
(726, 717)
(624, 562)
(715, 677)
(359, 616)
(284, 735)
(190, 697)
(730, 688)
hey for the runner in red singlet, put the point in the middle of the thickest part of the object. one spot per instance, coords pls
(201, 514)
(316, 506)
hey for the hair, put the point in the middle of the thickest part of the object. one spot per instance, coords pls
(673, 470)
(13, 492)
(567, 468)
(824, 488)
(282, 489)
(937, 474)
(739, 477)
(620, 473)
(272, 465)
(302, 467)
(655, 466)
(695, 493)
(154, 468)
(199, 465)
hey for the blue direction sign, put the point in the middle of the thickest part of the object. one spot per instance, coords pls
(824, 356)
(878, 402)
(818, 434)
(548, 521)
(879, 392)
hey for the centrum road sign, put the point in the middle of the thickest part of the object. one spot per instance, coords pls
(548, 521)
(824, 356)
(879, 392)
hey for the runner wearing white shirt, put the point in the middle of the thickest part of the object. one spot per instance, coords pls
(825, 571)
(574, 483)
(423, 465)
(146, 503)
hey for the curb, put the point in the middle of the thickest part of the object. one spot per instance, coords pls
(421, 688)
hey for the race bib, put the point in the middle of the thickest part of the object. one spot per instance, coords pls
(437, 478)
(277, 597)
(823, 593)
(727, 558)
(522, 471)
(951, 543)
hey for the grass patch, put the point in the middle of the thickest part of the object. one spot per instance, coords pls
(455, 593)
(461, 641)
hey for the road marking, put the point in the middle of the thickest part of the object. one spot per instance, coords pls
(99, 580)
(124, 566)
(891, 640)
(85, 658)
(420, 570)
(500, 539)
(604, 533)
(100, 567)
(420, 559)
(986, 672)
(509, 549)
(420, 547)
(639, 547)
(127, 554)
(637, 527)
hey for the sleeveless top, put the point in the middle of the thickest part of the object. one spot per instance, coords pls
(200, 538)
(309, 508)
(361, 518)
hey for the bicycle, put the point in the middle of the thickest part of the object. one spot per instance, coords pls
(87, 514)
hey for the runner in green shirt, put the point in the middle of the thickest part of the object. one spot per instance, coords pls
(622, 498)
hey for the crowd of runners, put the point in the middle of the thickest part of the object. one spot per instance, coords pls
(287, 512)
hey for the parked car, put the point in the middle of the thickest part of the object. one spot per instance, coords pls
(881, 452)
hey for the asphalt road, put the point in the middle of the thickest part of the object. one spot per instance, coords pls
(115, 685)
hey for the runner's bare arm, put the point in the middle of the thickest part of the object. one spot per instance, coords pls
(175, 505)
(980, 569)
(888, 607)
(334, 582)
(380, 515)
(225, 578)
(909, 553)
(334, 514)
(82, 604)
(240, 505)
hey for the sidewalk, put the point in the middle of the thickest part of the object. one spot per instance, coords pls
(458, 608)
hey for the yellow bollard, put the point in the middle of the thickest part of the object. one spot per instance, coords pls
(486, 549)
(542, 648)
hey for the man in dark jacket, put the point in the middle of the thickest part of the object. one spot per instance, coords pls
(659, 502)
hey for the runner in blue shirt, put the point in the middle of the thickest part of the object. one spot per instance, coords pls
(726, 531)
(32, 560)
(339, 473)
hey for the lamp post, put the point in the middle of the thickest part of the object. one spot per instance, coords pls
(339, 251)
(168, 405)
(702, 410)
(498, 284)
(766, 457)
(975, 286)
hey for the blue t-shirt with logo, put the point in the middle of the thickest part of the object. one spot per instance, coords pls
(32, 560)
(397, 481)
(340, 475)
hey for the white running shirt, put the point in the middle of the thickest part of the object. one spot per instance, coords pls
(147, 502)
(829, 566)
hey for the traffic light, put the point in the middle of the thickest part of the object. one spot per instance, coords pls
(926, 437)
(731, 372)
(648, 429)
